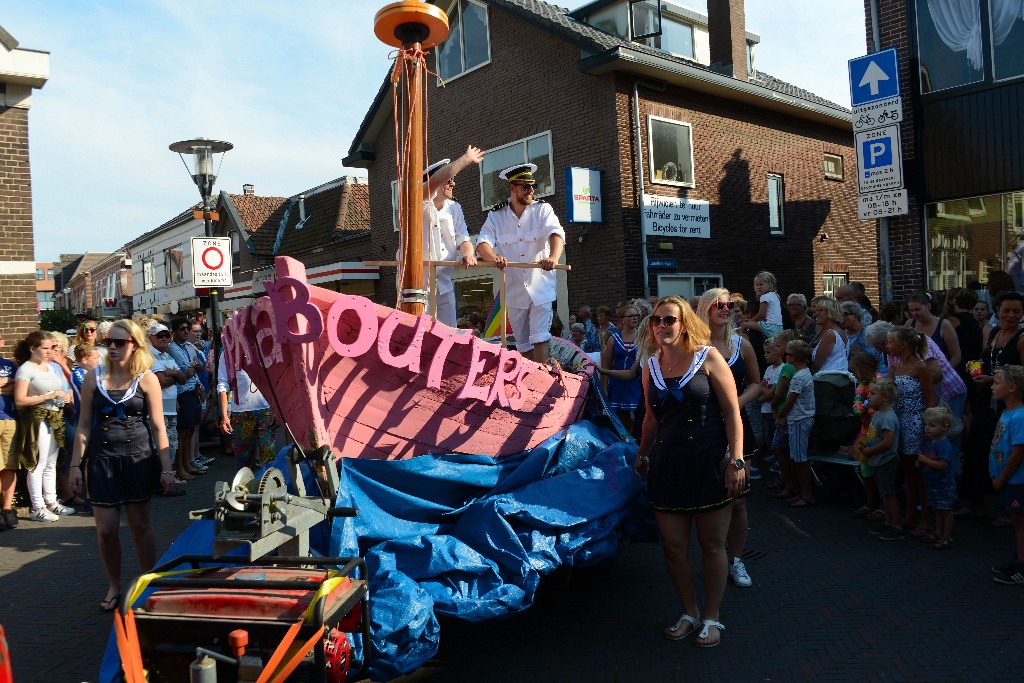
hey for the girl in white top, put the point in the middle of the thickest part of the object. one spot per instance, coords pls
(769, 313)
(38, 382)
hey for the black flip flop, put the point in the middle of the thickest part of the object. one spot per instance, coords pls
(110, 604)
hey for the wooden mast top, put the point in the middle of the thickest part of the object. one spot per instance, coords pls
(411, 26)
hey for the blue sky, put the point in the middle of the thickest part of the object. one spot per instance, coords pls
(287, 82)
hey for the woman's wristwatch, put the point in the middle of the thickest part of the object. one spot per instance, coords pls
(739, 463)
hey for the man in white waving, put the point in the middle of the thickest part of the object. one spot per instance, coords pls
(525, 230)
(445, 233)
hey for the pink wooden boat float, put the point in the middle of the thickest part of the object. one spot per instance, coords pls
(374, 382)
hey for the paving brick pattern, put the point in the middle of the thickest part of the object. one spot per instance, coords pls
(829, 603)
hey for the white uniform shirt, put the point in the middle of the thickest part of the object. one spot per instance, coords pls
(524, 239)
(444, 231)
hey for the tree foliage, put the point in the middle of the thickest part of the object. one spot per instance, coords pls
(57, 320)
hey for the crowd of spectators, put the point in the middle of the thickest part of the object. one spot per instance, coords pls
(912, 393)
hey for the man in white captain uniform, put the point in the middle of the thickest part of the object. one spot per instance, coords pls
(525, 230)
(445, 234)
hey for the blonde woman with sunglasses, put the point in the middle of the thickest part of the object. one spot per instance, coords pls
(690, 429)
(123, 399)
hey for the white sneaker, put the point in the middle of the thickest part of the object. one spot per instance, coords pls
(739, 574)
(60, 508)
(43, 515)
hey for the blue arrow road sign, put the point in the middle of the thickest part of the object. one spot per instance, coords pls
(874, 77)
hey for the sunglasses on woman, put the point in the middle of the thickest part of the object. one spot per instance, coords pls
(115, 343)
(719, 305)
(89, 329)
(669, 320)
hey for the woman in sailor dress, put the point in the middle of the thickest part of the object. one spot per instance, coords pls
(691, 427)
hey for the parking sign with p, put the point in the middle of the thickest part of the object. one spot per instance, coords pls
(879, 164)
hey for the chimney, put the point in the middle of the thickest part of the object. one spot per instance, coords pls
(248, 189)
(728, 37)
(302, 208)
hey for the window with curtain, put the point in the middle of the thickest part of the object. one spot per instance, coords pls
(951, 46)
(671, 151)
(1007, 31)
(776, 204)
(468, 45)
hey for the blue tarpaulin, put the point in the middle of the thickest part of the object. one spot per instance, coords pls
(468, 536)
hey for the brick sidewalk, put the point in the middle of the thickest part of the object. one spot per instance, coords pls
(829, 602)
(52, 581)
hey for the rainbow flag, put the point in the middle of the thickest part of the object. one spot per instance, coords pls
(493, 327)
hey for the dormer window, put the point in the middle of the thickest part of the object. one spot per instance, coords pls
(676, 37)
(468, 45)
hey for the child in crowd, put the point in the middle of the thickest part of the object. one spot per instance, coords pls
(881, 449)
(797, 415)
(864, 367)
(937, 465)
(767, 396)
(769, 314)
(914, 379)
(786, 485)
(1004, 462)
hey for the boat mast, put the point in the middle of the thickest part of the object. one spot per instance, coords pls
(411, 26)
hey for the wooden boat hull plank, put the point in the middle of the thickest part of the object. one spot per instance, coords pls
(364, 407)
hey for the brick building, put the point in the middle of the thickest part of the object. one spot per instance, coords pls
(764, 162)
(44, 285)
(327, 227)
(962, 83)
(75, 281)
(21, 71)
(111, 285)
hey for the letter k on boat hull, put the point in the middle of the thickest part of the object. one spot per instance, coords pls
(374, 382)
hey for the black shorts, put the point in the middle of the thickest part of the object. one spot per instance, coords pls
(190, 410)
(115, 480)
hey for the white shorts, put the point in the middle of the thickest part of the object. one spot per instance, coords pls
(530, 325)
(445, 308)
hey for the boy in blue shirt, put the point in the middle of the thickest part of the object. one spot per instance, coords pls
(1004, 462)
(937, 474)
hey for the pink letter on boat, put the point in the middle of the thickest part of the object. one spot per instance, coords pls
(476, 367)
(448, 338)
(366, 332)
(308, 321)
(410, 358)
(505, 375)
(263, 307)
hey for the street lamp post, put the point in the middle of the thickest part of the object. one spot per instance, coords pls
(204, 176)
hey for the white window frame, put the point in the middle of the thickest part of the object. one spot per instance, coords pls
(841, 163)
(836, 280)
(650, 152)
(524, 142)
(148, 274)
(665, 278)
(780, 201)
(168, 261)
(660, 38)
(394, 205)
(462, 46)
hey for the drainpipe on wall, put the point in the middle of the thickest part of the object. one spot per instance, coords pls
(883, 223)
(659, 87)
